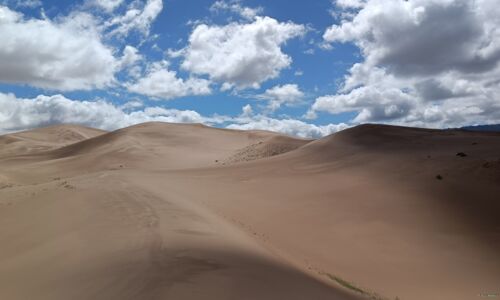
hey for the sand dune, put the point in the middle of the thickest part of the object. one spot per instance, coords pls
(43, 139)
(170, 211)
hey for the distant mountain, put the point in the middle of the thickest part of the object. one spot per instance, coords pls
(495, 127)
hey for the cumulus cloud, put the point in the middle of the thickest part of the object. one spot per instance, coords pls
(19, 114)
(67, 54)
(455, 113)
(287, 126)
(236, 7)
(287, 94)
(137, 18)
(372, 104)
(250, 121)
(241, 55)
(445, 35)
(162, 83)
(422, 59)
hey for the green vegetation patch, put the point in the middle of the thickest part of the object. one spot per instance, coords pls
(351, 286)
(346, 284)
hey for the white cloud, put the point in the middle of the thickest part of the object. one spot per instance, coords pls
(132, 104)
(136, 18)
(241, 55)
(162, 83)
(454, 113)
(235, 6)
(351, 3)
(135, 71)
(226, 86)
(174, 53)
(250, 121)
(287, 126)
(108, 5)
(372, 104)
(422, 60)
(287, 94)
(381, 28)
(247, 111)
(130, 57)
(19, 114)
(67, 54)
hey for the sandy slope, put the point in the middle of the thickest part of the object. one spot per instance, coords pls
(166, 211)
(44, 139)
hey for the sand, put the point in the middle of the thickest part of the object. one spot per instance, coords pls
(170, 211)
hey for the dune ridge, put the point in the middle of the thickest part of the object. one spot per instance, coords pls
(44, 139)
(185, 211)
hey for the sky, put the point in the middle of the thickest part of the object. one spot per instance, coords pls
(303, 68)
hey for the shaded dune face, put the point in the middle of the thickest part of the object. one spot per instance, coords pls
(460, 168)
(185, 211)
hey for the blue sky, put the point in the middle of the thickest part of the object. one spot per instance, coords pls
(306, 68)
